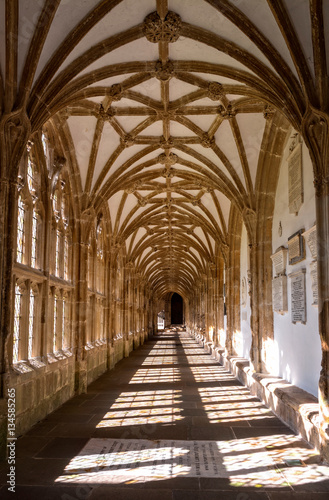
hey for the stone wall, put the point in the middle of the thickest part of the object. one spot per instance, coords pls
(96, 361)
(41, 389)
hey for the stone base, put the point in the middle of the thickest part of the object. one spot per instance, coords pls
(294, 406)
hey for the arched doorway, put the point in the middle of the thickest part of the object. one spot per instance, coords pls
(176, 309)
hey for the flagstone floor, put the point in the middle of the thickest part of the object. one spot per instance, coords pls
(168, 423)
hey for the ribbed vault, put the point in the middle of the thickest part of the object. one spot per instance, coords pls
(163, 109)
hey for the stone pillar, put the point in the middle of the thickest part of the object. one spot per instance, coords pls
(81, 314)
(219, 299)
(316, 135)
(125, 309)
(111, 318)
(255, 355)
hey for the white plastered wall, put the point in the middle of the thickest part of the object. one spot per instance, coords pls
(297, 356)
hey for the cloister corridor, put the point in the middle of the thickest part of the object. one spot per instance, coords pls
(168, 423)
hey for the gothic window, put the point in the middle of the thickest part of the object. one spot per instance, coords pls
(34, 245)
(44, 141)
(20, 230)
(66, 258)
(17, 322)
(57, 253)
(30, 180)
(90, 266)
(64, 322)
(100, 272)
(55, 327)
(31, 323)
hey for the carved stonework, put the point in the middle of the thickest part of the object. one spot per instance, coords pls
(15, 129)
(170, 159)
(157, 30)
(227, 112)
(215, 91)
(115, 92)
(268, 111)
(106, 115)
(164, 71)
(207, 141)
(166, 143)
(142, 202)
(127, 141)
(168, 173)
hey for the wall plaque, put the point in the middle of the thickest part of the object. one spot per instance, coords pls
(295, 177)
(296, 247)
(279, 294)
(279, 259)
(243, 292)
(314, 278)
(298, 298)
(310, 238)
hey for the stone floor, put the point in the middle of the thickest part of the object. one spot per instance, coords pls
(168, 423)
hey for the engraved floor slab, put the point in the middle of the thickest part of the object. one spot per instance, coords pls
(141, 460)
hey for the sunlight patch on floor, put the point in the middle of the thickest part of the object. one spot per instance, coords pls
(255, 462)
(154, 407)
(156, 375)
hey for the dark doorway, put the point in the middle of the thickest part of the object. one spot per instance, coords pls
(176, 309)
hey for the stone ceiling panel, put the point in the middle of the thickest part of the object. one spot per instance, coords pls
(252, 127)
(260, 14)
(82, 132)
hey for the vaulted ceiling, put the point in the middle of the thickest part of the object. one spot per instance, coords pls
(165, 106)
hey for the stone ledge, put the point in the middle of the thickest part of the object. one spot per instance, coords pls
(295, 407)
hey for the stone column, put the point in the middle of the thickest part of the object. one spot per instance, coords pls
(81, 315)
(316, 134)
(255, 356)
(219, 299)
(125, 308)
